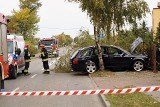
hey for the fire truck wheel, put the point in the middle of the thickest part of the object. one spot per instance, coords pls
(13, 74)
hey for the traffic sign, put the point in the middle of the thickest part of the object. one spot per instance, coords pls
(101, 36)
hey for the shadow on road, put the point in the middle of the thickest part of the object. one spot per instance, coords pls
(19, 74)
(80, 74)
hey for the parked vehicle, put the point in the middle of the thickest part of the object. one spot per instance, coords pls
(15, 54)
(51, 44)
(3, 51)
(86, 59)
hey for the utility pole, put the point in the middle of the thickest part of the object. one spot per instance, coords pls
(155, 22)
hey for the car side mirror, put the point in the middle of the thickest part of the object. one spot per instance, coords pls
(18, 51)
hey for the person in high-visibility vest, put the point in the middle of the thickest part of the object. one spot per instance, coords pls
(27, 60)
(44, 56)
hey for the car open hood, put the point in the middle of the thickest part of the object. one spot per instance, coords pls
(136, 43)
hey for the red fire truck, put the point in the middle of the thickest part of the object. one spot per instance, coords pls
(51, 44)
(3, 50)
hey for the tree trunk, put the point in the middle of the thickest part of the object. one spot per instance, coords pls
(101, 64)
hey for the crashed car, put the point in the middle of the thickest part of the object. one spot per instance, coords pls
(86, 59)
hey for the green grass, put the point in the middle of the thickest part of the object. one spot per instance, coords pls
(132, 100)
(127, 100)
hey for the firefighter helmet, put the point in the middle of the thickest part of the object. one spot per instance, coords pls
(26, 46)
(42, 46)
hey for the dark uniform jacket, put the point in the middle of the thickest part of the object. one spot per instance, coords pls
(44, 54)
(26, 55)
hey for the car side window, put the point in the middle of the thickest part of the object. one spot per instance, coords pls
(104, 50)
(95, 51)
(87, 52)
(114, 51)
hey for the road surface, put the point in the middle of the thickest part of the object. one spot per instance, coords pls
(52, 82)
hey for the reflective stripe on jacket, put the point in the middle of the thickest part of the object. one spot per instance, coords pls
(44, 55)
(26, 54)
(28, 60)
(44, 60)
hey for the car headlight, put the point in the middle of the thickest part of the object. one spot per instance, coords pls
(54, 52)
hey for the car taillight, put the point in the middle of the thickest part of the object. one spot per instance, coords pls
(75, 61)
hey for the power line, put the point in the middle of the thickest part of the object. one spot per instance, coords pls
(64, 29)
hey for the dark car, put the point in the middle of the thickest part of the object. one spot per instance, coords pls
(86, 59)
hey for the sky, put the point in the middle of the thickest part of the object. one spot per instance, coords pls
(58, 16)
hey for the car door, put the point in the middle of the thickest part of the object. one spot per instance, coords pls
(85, 55)
(117, 58)
(105, 56)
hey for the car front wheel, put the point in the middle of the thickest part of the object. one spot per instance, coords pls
(91, 67)
(138, 65)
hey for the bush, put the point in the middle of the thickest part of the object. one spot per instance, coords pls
(62, 65)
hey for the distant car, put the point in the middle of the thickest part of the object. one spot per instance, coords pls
(86, 59)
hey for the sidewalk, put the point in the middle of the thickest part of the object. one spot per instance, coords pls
(122, 79)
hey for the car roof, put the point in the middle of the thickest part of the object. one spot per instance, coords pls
(95, 47)
(87, 47)
(101, 46)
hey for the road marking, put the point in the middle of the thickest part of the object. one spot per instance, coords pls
(51, 63)
(34, 75)
(16, 89)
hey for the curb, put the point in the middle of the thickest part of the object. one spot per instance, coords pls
(102, 97)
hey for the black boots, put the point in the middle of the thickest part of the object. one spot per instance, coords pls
(46, 72)
(26, 74)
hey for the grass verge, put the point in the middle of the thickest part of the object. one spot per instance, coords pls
(132, 100)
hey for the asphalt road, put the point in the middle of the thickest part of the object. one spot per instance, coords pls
(52, 82)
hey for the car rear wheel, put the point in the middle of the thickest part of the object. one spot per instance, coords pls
(91, 67)
(138, 65)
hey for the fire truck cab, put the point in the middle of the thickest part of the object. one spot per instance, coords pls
(51, 45)
(3, 51)
(15, 54)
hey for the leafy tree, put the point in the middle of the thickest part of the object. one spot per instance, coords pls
(64, 40)
(83, 39)
(32, 5)
(157, 40)
(108, 14)
(23, 22)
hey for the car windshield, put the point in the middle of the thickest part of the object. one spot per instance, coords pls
(10, 46)
(47, 42)
(74, 54)
(123, 50)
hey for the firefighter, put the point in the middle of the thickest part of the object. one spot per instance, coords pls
(55, 46)
(44, 56)
(27, 60)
